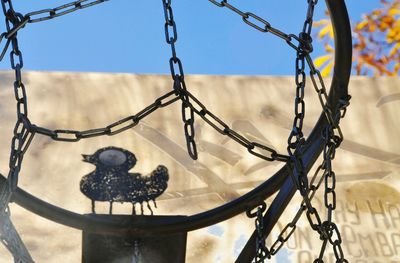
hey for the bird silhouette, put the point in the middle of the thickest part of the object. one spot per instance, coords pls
(112, 182)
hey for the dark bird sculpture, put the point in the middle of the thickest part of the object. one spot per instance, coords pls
(112, 182)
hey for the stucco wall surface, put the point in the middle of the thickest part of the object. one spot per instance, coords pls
(261, 108)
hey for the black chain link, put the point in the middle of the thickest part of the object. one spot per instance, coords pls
(180, 92)
(39, 16)
(326, 229)
(259, 150)
(22, 137)
(262, 251)
(332, 142)
(24, 130)
(50, 13)
(111, 129)
(290, 228)
(296, 138)
(176, 67)
(333, 136)
(264, 26)
(319, 87)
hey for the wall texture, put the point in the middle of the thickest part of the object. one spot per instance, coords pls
(261, 108)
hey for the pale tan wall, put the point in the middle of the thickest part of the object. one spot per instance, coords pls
(260, 107)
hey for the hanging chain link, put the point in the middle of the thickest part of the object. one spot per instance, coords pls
(189, 102)
(259, 150)
(22, 137)
(290, 228)
(332, 135)
(111, 129)
(176, 67)
(22, 134)
(42, 15)
(261, 24)
(327, 229)
(262, 251)
(296, 138)
(47, 14)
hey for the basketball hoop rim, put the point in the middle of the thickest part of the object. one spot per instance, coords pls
(313, 148)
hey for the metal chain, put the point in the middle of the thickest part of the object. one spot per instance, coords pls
(326, 229)
(111, 129)
(189, 102)
(176, 68)
(290, 228)
(22, 134)
(24, 130)
(47, 14)
(333, 137)
(43, 15)
(317, 80)
(296, 140)
(188, 109)
(262, 251)
(19, 144)
(331, 143)
(259, 150)
(260, 24)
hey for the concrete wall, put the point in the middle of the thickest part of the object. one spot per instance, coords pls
(261, 108)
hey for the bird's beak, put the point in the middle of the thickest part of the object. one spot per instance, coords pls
(87, 158)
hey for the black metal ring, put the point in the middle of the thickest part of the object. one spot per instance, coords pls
(313, 147)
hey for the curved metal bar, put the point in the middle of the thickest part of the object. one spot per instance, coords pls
(138, 226)
(314, 144)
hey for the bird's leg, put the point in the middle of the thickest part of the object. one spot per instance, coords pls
(154, 202)
(93, 207)
(133, 209)
(111, 205)
(149, 207)
(141, 208)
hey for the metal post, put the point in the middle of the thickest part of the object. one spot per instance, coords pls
(106, 248)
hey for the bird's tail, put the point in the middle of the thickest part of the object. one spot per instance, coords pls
(160, 176)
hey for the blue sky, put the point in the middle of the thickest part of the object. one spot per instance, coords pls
(127, 36)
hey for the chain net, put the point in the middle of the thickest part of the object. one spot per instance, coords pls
(24, 130)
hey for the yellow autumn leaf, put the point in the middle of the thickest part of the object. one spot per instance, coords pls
(319, 61)
(394, 11)
(326, 30)
(331, 32)
(326, 71)
(372, 27)
(361, 25)
(377, 12)
(322, 22)
(328, 48)
(376, 45)
(396, 67)
(394, 50)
